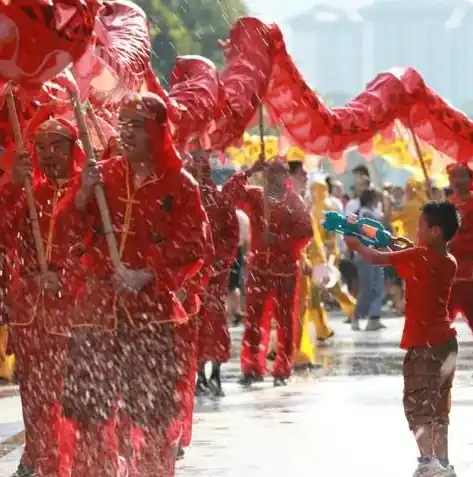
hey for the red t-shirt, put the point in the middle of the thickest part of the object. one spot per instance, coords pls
(429, 277)
(461, 245)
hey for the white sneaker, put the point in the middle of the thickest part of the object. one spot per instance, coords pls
(430, 469)
(355, 324)
(450, 471)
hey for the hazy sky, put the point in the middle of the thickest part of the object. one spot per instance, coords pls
(276, 10)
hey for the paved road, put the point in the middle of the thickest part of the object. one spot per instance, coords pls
(345, 417)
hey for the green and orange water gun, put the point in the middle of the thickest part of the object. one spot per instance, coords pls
(370, 232)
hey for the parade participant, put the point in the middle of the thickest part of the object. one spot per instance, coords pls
(334, 192)
(407, 215)
(409, 212)
(214, 335)
(361, 182)
(126, 318)
(316, 254)
(304, 356)
(461, 300)
(320, 195)
(7, 361)
(428, 336)
(280, 229)
(187, 335)
(40, 304)
(236, 280)
(186, 338)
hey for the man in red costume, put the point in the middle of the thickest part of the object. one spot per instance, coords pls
(126, 318)
(187, 342)
(40, 304)
(214, 335)
(461, 247)
(280, 228)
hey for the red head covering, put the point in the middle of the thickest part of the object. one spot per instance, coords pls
(200, 167)
(112, 149)
(64, 128)
(278, 165)
(466, 167)
(154, 111)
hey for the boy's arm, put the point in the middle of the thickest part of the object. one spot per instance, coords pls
(381, 259)
(404, 261)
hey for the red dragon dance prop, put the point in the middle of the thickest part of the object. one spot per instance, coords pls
(195, 97)
(118, 59)
(399, 94)
(244, 80)
(40, 38)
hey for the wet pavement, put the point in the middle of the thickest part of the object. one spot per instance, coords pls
(345, 417)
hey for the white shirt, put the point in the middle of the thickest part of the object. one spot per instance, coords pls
(336, 204)
(244, 226)
(352, 207)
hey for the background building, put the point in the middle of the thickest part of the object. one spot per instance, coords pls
(340, 48)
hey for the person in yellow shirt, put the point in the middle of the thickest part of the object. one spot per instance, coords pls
(7, 361)
(404, 221)
(414, 198)
(311, 307)
(332, 246)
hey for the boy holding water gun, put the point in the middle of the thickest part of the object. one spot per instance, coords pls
(429, 338)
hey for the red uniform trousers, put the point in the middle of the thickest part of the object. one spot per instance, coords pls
(269, 296)
(135, 369)
(180, 430)
(40, 364)
(461, 300)
(214, 337)
(186, 347)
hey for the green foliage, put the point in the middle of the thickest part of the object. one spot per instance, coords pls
(183, 27)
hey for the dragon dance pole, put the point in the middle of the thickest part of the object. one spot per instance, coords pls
(428, 182)
(96, 124)
(99, 191)
(263, 153)
(30, 199)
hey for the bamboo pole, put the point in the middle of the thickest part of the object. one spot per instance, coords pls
(99, 191)
(263, 153)
(33, 213)
(420, 156)
(96, 124)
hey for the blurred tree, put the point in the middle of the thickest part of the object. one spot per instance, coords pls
(169, 36)
(182, 27)
(208, 21)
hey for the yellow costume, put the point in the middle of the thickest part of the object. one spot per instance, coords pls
(311, 306)
(7, 362)
(409, 214)
(404, 222)
(345, 300)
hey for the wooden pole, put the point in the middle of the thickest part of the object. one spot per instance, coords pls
(99, 191)
(97, 126)
(263, 153)
(30, 200)
(420, 156)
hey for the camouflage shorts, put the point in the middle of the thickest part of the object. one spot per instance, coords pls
(428, 377)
